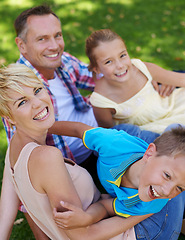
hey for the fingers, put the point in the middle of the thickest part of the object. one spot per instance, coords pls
(166, 90)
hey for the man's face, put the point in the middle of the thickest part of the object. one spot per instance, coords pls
(44, 43)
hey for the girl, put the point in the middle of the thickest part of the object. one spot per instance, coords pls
(124, 93)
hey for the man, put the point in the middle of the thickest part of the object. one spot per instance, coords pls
(41, 45)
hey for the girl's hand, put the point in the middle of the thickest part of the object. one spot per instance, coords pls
(74, 217)
(162, 89)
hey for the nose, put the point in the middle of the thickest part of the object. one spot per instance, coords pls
(36, 102)
(169, 190)
(119, 64)
(53, 44)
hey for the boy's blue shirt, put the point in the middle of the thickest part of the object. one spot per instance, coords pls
(117, 151)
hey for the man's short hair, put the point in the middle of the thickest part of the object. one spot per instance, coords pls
(20, 23)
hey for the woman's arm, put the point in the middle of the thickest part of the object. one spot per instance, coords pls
(9, 204)
(59, 187)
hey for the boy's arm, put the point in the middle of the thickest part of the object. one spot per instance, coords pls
(68, 128)
(9, 204)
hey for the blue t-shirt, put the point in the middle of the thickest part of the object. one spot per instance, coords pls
(117, 151)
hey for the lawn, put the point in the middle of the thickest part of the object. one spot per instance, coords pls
(153, 31)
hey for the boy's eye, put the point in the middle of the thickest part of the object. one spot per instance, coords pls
(38, 90)
(180, 189)
(167, 175)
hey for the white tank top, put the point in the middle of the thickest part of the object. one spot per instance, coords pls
(67, 112)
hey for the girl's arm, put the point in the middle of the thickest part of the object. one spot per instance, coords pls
(166, 77)
(9, 204)
(104, 116)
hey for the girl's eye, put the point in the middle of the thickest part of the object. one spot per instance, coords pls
(122, 55)
(22, 103)
(37, 90)
(108, 62)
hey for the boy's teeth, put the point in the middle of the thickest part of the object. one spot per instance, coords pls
(155, 193)
(41, 115)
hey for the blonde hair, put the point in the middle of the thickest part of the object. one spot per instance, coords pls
(12, 78)
(93, 41)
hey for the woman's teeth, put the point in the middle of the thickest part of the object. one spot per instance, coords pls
(41, 114)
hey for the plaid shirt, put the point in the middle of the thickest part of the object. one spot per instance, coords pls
(74, 74)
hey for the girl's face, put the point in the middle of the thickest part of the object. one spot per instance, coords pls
(113, 60)
(31, 112)
(162, 176)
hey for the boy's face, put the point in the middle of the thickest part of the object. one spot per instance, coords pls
(161, 176)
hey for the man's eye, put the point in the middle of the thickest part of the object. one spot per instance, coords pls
(22, 103)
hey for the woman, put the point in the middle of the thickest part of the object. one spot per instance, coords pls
(40, 176)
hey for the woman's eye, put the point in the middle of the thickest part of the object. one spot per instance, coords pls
(38, 90)
(22, 103)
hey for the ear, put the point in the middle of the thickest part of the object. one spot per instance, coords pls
(96, 70)
(11, 121)
(151, 150)
(20, 44)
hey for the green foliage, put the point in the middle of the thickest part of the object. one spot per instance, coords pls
(153, 31)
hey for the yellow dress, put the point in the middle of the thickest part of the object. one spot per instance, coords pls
(147, 108)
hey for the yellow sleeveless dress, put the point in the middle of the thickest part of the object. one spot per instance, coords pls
(147, 108)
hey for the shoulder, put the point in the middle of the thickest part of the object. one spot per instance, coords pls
(43, 154)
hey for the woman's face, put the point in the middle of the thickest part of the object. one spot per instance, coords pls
(32, 112)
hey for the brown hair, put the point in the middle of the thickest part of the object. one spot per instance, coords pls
(20, 23)
(171, 143)
(102, 35)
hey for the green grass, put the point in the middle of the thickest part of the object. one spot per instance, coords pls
(153, 30)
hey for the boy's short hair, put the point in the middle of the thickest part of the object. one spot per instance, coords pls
(20, 23)
(12, 78)
(171, 143)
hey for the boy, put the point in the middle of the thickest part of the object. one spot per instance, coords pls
(140, 178)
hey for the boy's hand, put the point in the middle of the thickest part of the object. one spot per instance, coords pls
(74, 217)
